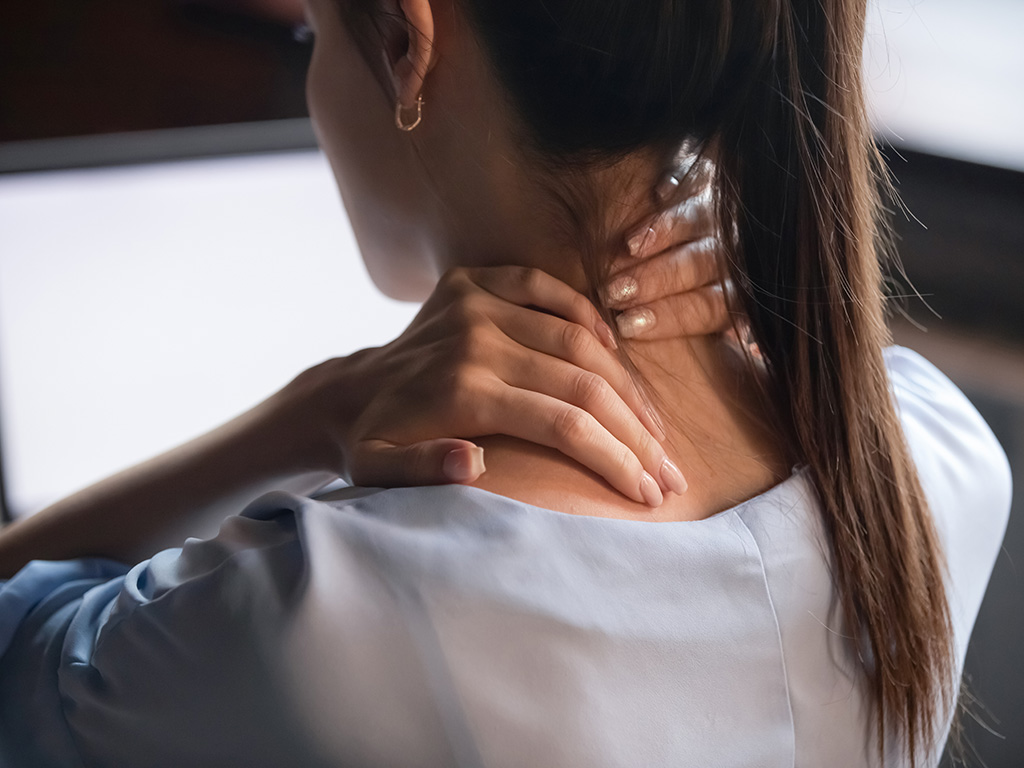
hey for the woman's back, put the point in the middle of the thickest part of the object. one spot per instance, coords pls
(450, 626)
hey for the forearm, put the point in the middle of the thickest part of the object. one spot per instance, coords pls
(184, 492)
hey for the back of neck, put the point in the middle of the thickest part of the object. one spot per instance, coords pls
(717, 433)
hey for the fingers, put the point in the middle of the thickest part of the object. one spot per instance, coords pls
(676, 293)
(695, 313)
(675, 271)
(692, 219)
(558, 357)
(577, 434)
(593, 394)
(529, 287)
(562, 340)
(431, 462)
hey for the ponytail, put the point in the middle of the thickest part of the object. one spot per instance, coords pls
(799, 176)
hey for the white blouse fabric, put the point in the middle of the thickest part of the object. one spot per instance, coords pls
(448, 626)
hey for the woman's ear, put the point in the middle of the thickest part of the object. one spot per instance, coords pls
(412, 55)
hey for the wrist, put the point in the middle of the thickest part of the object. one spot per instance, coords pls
(319, 408)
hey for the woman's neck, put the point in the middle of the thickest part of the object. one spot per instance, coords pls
(716, 434)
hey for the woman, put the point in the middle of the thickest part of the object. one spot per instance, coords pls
(808, 600)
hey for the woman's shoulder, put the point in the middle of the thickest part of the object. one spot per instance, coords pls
(959, 459)
(963, 469)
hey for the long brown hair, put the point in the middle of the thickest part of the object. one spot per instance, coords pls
(772, 91)
(803, 172)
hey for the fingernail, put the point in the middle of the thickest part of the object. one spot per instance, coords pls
(605, 335)
(621, 289)
(462, 465)
(635, 322)
(659, 428)
(650, 491)
(666, 188)
(636, 242)
(672, 478)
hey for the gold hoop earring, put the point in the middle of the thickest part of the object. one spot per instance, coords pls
(398, 115)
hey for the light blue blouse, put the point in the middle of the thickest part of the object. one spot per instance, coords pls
(450, 626)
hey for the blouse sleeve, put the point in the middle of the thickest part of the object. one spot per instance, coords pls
(105, 665)
(37, 607)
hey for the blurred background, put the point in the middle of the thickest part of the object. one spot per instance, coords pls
(172, 249)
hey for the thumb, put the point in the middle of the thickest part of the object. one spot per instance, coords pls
(381, 464)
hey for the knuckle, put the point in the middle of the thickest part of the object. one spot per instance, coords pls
(590, 390)
(571, 426)
(528, 279)
(453, 319)
(576, 341)
(466, 380)
(455, 280)
(648, 449)
(466, 384)
(467, 311)
(583, 309)
(627, 466)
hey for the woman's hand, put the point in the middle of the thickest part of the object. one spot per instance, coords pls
(670, 283)
(500, 350)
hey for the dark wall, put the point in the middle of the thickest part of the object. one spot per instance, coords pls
(78, 67)
(961, 239)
